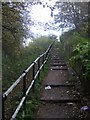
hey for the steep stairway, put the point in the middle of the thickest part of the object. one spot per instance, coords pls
(59, 98)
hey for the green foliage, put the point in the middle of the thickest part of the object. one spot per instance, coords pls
(14, 66)
(81, 55)
(13, 30)
(33, 99)
(71, 13)
(70, 40)
(39, 45)
(76, 47)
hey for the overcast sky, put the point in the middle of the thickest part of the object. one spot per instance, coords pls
(44, 23)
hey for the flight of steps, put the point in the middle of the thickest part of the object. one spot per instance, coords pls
(59, 98)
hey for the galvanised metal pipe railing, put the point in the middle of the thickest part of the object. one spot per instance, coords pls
(25, 90)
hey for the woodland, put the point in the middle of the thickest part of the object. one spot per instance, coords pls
(17, 56)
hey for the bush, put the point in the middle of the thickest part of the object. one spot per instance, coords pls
(76, 47)
(81, 55)
(14, 66)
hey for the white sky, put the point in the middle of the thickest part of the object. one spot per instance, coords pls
(42, 15)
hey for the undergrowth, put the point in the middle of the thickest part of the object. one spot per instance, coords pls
(33, 99)
(13, 66)
(77, 48)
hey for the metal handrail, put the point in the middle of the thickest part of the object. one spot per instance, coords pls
(13, 86)
(22, 77)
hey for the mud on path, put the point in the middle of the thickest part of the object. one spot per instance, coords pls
(59, 95)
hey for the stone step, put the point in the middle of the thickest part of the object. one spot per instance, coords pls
(59, 68)
(60, 100)
(57, 58)
(59, 94)
(58, 64)
(56, 77)
(59, 111)
(60, 85)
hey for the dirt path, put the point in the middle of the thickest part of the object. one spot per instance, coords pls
(59, 98)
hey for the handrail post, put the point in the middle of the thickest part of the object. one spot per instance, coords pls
(46, 54)
(33, 71)
(39, 68)
(33, 74)
(3, 109)
(24, 91)
(24, 85)
(43, 62)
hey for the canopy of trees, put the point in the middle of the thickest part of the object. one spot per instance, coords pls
(13, 27)
(15, 21)
(72, 13)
